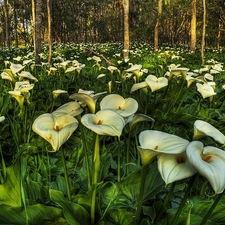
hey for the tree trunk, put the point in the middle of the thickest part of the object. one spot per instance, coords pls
(156, 30)
(49, 9)
(126, 28)
(6, 12)
(193, 27)
(37, 19)
(203, 32)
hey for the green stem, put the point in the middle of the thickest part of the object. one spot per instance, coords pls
(187, 192)
(218, 197)
(119, 163)
(127, 153)
(141, 193)
(165, 203)
(66, 175)
(95, 177)
(85, 153)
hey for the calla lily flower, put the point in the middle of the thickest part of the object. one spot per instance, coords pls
(2, 118)
(115, 102)
(23, 86)
(137, 86)
(139, 118)
(56, 93)
(202, 129)
(6, 76)
(205, 90)
(179, 71)
(135, 69)
(209, 162)
(70, 108)
(55, 130)
(19, 98)
(15, 68)
(104, 122)
(174, 167)
(84, 98)
(153, 142)
(28, 75)
(156, 83)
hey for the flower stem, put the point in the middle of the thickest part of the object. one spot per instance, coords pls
(165, 203)
(119, 163)
(187, 192)
(218, 197)
(86, 157)
(95, 177)
(127, 153)
(66, 175)
(141, 193)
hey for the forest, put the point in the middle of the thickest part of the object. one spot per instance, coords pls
(112, 112)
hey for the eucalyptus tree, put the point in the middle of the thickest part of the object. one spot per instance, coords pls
(193, 27)
(126, 28)
(7, 28)
(156, 30)
(37, 19)
(203, 32)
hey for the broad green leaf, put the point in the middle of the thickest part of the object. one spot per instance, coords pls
(10, 190)
(130, 186)
(34, 214)
(199, 208)
(74, 213)
(122, 217)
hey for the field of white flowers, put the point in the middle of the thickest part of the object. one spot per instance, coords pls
(93, 138)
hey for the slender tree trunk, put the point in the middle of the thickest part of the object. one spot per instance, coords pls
(37, 19)
(219, 34)
(193, 27)
(156, 30)
(6, 12)
(15, 24)
(49, 9)
(203, 32)
(126, 28)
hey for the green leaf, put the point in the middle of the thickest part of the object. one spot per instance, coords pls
(35, 214)
(10, 190)
(74, 213)
(122, 217)
(199, 208)
(153, 184)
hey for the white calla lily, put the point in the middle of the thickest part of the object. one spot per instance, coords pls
(173, 167)
(202, 129)
(205, 90)
(69, 108)
(115, 102)
(209, 162)
(104, 122)
(156, 83)
(138, 86)
(154, 142)
(55, 130)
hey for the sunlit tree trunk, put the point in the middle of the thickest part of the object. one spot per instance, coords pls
(49, 9)
(126, 28)
(193, 27)
(203, 32)
(37, 19)
(6, 12)
(219, 34)
(156, 30)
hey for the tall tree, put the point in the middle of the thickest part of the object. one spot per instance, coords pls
(7, 33)
(203, 33)
(126, 28)
(193, 27)
(156, 30)
(49, 10)
(37, 19)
